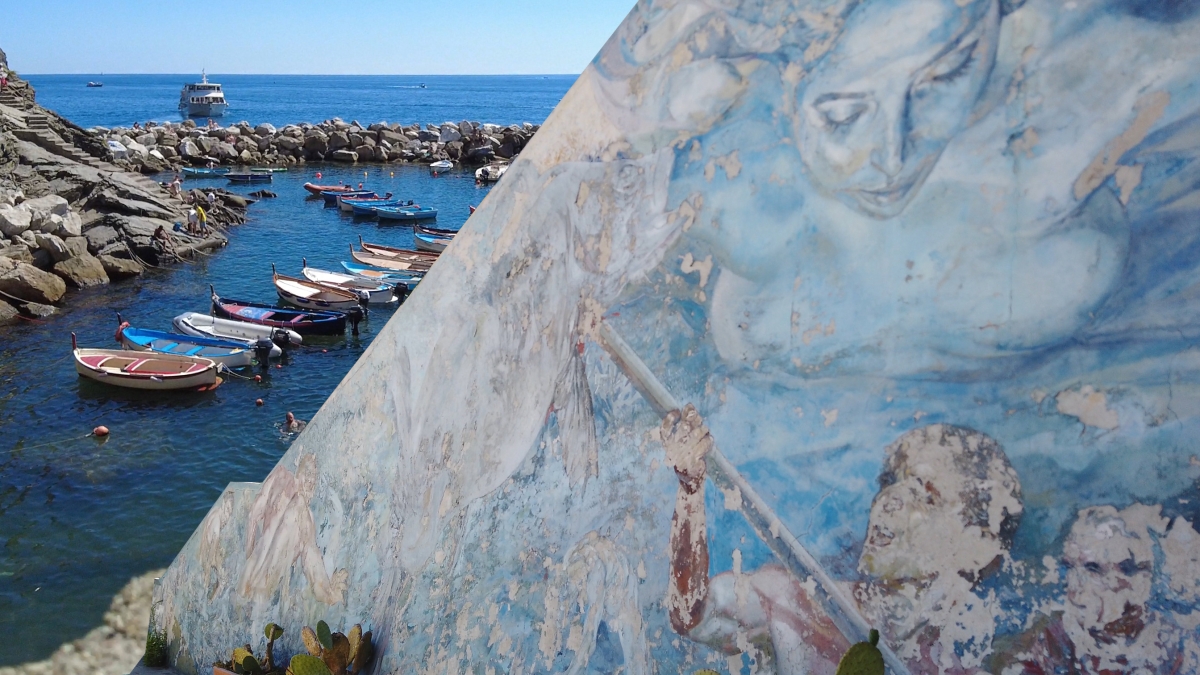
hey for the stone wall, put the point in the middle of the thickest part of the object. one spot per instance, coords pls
(926, 273)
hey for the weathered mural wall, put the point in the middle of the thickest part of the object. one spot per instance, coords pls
(928, 273)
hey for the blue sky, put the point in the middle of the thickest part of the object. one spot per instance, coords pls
(425, 37)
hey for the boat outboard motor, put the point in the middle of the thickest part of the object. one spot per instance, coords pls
(363, 296)
(262, 351)
(281, 339)
(355, 315)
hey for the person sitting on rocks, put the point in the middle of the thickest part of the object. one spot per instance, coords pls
(211, 199)
(176, 187)
(292, 424)
(164, 240)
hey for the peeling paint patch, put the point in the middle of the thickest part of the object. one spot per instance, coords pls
(1149, 109)
(704, 267)
(1089, 405)
(830, 417)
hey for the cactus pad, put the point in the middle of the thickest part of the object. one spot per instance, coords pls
(311, 643)
(323, 635)
(863, 658)
(304, 664)
(250, 665)
(362, 656)
(273, 631)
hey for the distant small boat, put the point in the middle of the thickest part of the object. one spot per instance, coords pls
(94, 85)
(366, 207)
(204, 325)
(303, 321)
(318, 189)
(376, 292)
(407, 279)
(225, 352)
(406, 213)
(440, 166)
(134, 370)
(204, 173)
(425, 242)
(250, 177)
(433, 231)
(490, 173)
(347, 201)
(269, 169)
(392, 264)
(311, 295)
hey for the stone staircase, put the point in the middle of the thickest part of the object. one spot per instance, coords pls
(11, 100)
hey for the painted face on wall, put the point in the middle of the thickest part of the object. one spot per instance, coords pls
(901, 82)
(1109, 575)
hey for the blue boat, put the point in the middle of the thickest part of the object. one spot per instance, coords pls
(196, 172)
(406, 213)
(228, 353)
(303, 321)
(249, 177)
(366, 207)
(331, 196)
(408, 279)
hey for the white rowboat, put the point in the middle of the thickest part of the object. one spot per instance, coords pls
(375, 292)
(142, 370)
(194, 323)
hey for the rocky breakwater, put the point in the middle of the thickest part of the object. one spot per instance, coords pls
(69, 219)
(166, 146)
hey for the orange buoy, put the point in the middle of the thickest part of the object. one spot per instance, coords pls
(258, 402)
(100, 431)
(318, 174)
(279, 365)
(324, 351)
(258, 378)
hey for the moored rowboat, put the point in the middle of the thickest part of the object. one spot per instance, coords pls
(395, 253)
(408, 279)
(309, 294)
(204, 325)
(249, 177)
(225, 352)
(134, 370)
(406, 213)
(376, 292)
(204, 173)
(425, 242)
(434, 231)
(303, 321)
(389, 263)
(346, 201)
(318, 189)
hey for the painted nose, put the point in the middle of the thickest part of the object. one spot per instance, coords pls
(888, 155)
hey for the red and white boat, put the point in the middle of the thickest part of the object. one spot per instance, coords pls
(145, 370)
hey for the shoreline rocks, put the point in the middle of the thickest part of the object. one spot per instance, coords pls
(114, 647)
(170, 146)
(70, 219)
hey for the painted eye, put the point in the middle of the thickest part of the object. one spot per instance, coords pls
(1092, 567)
(952, 66)
(841, 112)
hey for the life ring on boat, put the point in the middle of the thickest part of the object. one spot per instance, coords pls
(120, 329)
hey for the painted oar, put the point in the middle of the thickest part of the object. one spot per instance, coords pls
(758, 513)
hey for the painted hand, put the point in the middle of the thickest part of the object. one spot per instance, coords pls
(687, 442)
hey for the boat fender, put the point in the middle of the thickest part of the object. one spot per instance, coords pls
(120, 330)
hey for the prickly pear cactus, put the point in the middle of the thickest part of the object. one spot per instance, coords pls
(337, 657)
(311, 643)
(239, 655)
(250, 665)
(273, 632)
(305, 664)
(863, 658)
(361, 653)
(324, 636)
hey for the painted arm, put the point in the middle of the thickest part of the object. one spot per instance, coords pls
(329, 590)
(687, 442)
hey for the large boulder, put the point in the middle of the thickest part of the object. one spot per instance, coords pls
(147, 140)
(365, 153)
(29, 283)
(49, 204)
(206, 144)
(99, 237)
(17, 252)
(348, 156)
(137, 149)
(189, 148)
(317, 143)
(14, 220)
(224, 151)
(52, 245)
(8, 314)
(71, 226)
(449, 134)
(391, 137)
(338, 140)
(82, 272)
(287, 143)
(76, 246)
(119, 268)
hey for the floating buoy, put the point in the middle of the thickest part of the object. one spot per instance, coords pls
(279, 365)
(324, 351)
(318, 174)
(100, 431)
(258, 378)
(393, 174)
(258, 402)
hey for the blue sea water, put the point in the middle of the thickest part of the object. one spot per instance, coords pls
(78, 516)
(291, 99)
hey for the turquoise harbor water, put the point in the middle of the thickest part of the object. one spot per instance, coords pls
(288, 99)
(79, 517)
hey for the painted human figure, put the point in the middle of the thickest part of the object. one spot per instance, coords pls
(281, 531)
(1110, 622)
(943, 521)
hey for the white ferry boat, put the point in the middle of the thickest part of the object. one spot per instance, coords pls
(202, 99)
